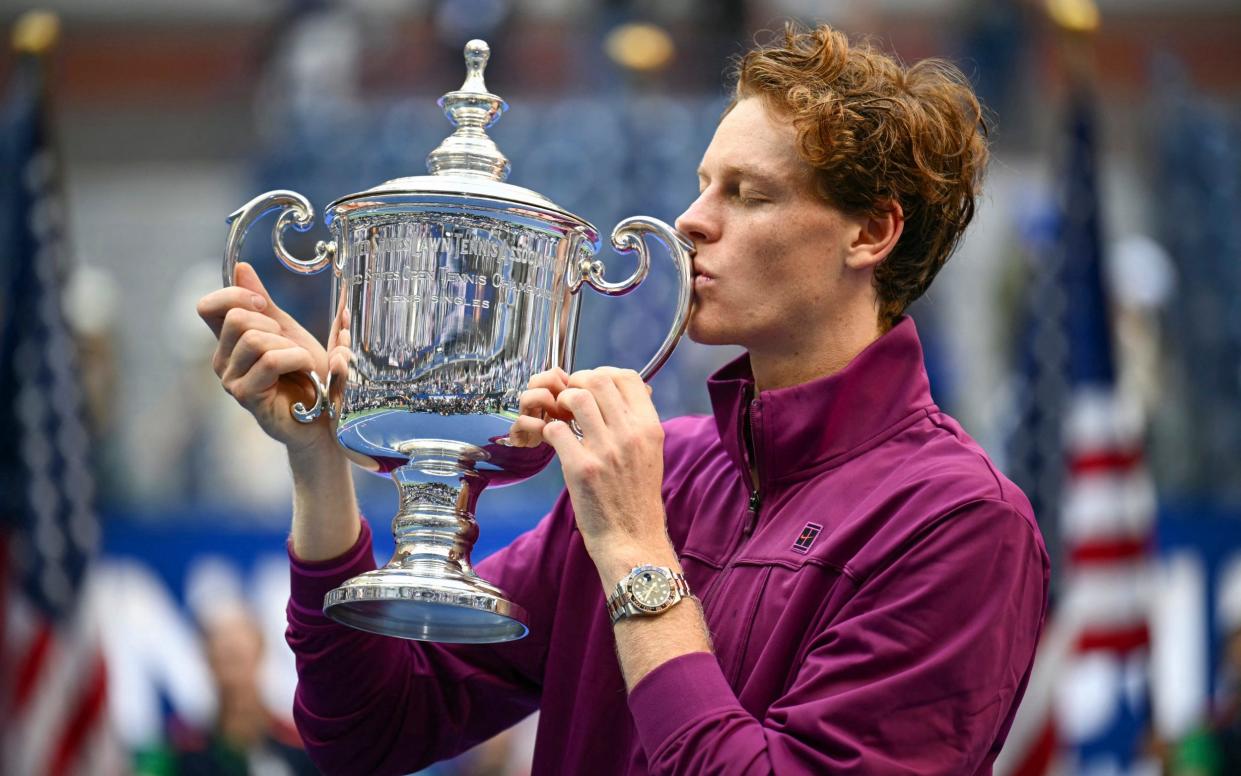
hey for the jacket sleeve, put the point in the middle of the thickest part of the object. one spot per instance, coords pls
(375, 704)
(918, 673)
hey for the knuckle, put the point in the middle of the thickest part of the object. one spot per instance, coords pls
(589, 469)
(267, 361)
(250, 339)
(573, 398)
(235, 318)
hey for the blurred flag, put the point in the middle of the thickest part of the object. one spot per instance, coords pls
(52, 675)
(1087, 706)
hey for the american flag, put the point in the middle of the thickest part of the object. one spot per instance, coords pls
(52, 675)
(1086, 709)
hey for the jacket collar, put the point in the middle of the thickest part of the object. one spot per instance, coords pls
(805, 425)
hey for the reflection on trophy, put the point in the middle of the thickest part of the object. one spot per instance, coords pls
(455, 288)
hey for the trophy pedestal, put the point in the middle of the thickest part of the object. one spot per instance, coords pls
(429, 591)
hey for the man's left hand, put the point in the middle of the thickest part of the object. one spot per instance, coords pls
(615, 472)
(615, 475)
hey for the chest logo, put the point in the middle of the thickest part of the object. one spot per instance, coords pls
(806, 540)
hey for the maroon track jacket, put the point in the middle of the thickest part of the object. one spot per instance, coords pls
(874, 608)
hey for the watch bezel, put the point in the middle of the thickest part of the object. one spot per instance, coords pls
(670, 597)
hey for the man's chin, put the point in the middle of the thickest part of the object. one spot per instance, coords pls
(706, 335)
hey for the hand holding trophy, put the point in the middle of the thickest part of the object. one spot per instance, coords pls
(450, 291)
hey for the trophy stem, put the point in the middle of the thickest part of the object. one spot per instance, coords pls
(434, 527)
(429, 590)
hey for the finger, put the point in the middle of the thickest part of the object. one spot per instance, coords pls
(611, 405)
(338, 363)
(634, 390)
(554, 380)
(582, 406)
(250, 348)
(213, 307)
(236, 323)
(270, 367)
(526, 432)
(539, 403)
(563, 441)
(339, 334)
(245, 277)
(338, 373)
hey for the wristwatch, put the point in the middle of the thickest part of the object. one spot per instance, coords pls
(645, 591)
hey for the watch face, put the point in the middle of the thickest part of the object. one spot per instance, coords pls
(650, 588)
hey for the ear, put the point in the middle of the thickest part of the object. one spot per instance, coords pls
(876, 236)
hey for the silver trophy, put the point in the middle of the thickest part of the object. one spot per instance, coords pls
(455, 288)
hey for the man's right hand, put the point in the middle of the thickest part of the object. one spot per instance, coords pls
(262, 357)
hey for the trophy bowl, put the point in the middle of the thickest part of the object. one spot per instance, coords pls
(455, 288)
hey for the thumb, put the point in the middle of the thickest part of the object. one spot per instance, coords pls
(245, 277)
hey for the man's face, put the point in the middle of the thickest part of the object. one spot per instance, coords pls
(770, 270)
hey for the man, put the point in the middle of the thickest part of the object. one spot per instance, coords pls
(867, 590)
(245, 739)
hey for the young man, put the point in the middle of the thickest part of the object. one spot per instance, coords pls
(866, 589)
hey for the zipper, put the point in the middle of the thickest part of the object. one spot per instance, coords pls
(756, 498)
(753, 506)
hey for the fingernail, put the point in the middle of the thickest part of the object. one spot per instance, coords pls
(258, 302)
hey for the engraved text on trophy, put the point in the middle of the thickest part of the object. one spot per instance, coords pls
(455, 305)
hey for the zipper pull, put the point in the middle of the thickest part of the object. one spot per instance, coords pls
(751, 517)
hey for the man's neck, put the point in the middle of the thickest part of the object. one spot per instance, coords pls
(803, 361)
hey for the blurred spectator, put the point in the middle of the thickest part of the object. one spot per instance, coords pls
(246, 738)
(1220, 748)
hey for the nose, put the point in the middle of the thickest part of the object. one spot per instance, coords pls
(697, 222)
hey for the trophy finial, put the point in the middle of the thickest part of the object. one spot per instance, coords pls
(477, 52)
(468, 150)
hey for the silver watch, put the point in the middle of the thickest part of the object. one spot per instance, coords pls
(646, 590)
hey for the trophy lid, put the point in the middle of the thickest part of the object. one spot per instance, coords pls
(468, 163)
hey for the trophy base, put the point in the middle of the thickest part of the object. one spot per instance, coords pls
(452, 607)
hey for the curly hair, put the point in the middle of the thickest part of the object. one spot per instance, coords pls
(878, 132)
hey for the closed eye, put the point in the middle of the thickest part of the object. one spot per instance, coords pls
(748, 197)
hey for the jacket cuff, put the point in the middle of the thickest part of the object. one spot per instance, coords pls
(310, 581)
(677, 694)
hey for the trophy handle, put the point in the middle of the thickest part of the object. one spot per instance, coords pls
(296, 211)
(629, 236)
